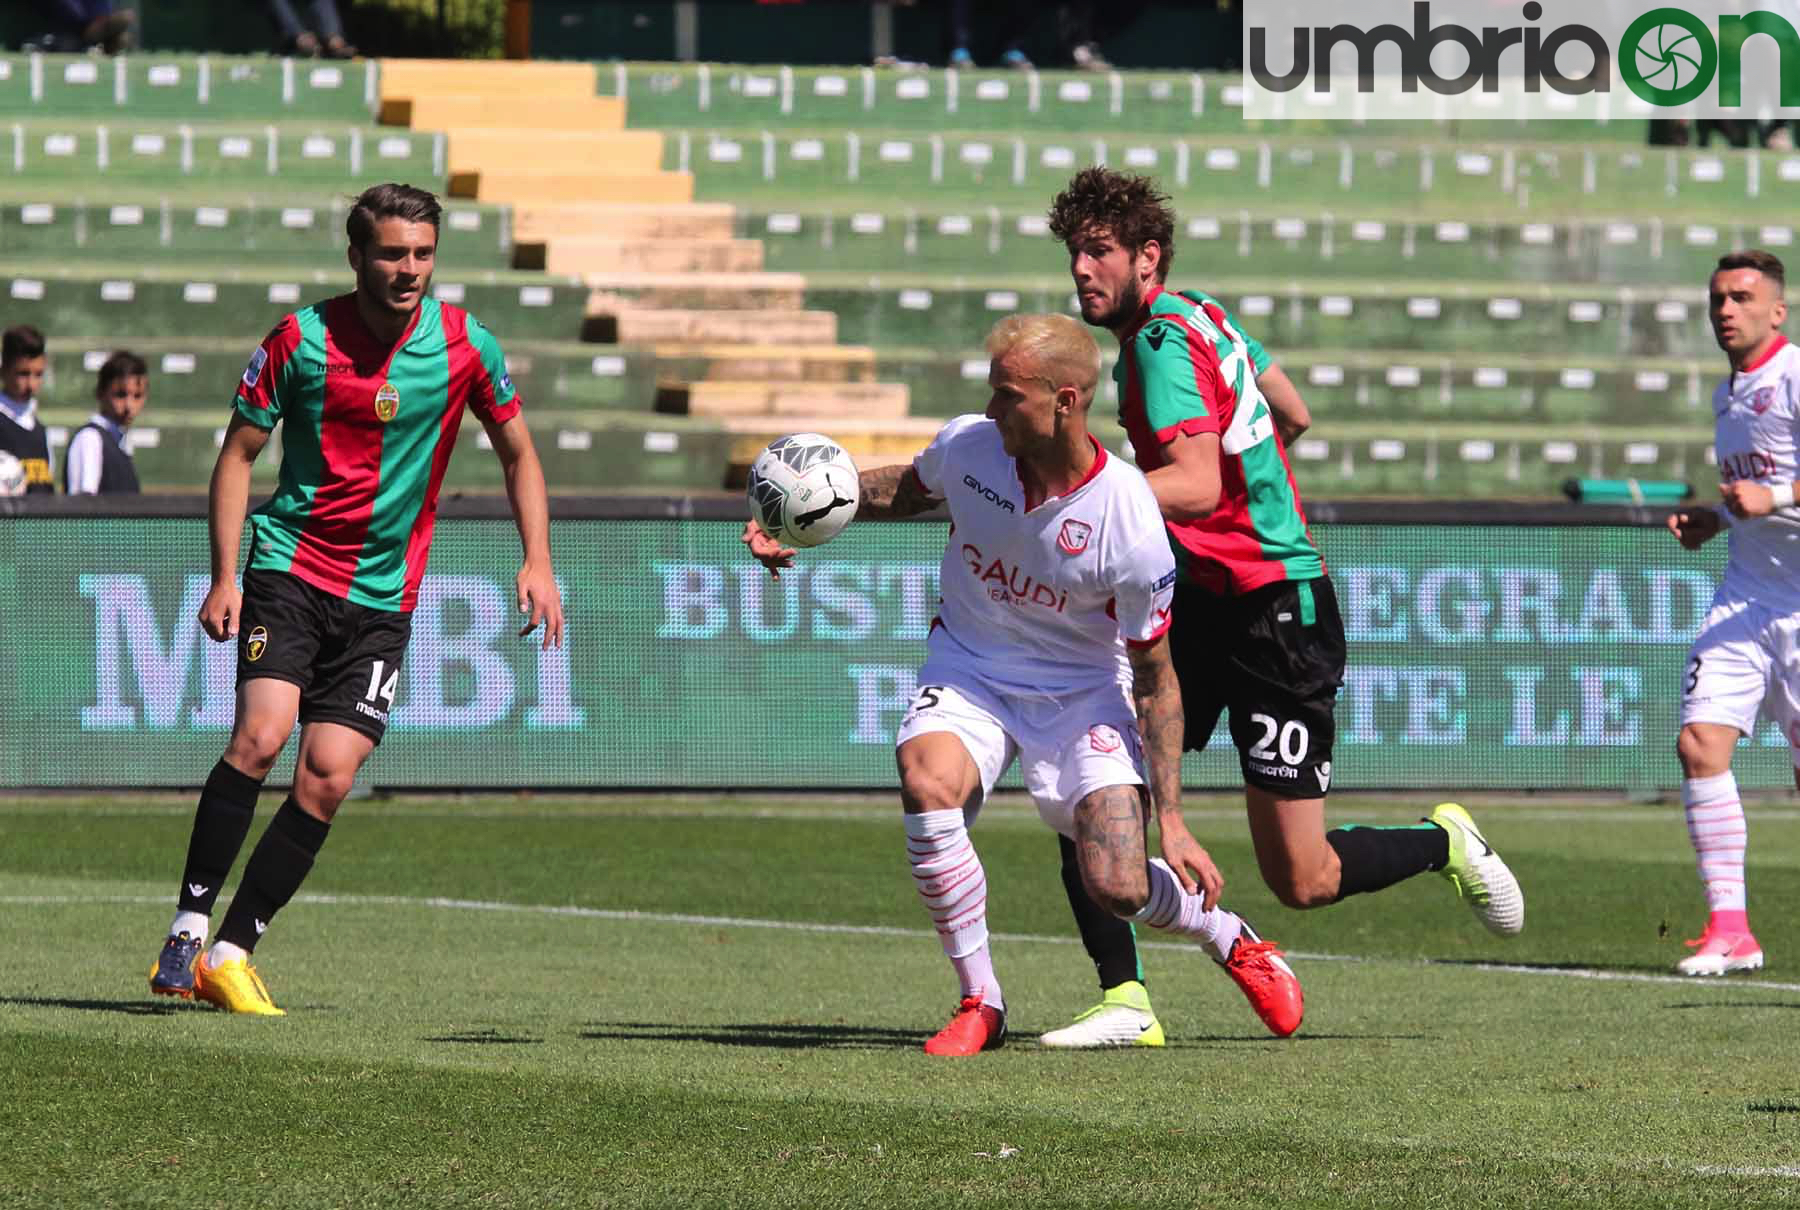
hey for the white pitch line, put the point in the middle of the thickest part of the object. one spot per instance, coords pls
(572, 911)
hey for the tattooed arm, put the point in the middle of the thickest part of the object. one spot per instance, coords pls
(892, 493)
(886, 493)
(1162, 725)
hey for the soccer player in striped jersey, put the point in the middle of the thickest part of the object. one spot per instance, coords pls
(1256, 630)
(1049, 647)
(369, 388)
(1742, 662)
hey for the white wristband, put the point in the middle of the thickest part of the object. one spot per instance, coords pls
(1783, 494)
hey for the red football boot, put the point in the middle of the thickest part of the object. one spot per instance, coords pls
(1268, 982)
(973, 1028)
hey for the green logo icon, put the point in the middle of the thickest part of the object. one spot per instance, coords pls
(1668, 56)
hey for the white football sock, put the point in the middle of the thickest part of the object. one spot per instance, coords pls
(1172, 910)
(223, 951)
(191, 923)
(1715, 821)
(954, 888)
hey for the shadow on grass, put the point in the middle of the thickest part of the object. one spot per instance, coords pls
(773, 1036)
(1709, 1005)
(856, 1037)
(487, 1037)
(130, 1008)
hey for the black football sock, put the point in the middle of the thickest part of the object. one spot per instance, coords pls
(1374, 858)
(1110, 941)
(275, 871)
(227, 804)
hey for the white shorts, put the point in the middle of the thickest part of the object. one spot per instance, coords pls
(1745, 660)
(1068, 747)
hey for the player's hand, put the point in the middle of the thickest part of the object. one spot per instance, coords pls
(220, 612)
(541, 602)
(1192, 865)
(770, 553)
(1694, 529)
(1747, 498)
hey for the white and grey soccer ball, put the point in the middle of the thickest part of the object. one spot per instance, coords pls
(12, 475)
(802, 489)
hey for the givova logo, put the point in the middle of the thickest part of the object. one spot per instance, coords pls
(1413, 59)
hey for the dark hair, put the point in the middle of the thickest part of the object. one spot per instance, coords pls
(1129, 208)
(19, 343)
(1765, 263)
(122, 364)
(389, 201)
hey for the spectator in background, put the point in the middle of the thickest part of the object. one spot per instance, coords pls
(21, 374)
(99, 462)
(86, 24)
(1076, 37)
(325, 38)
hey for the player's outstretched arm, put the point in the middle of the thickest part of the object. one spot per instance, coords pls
(539, 598)
(1292, 416)
(892, 493)
(227, 500)
(1162, 725)
(1695, 527)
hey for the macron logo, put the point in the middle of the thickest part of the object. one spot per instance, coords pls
(196, 890)
(261, 925)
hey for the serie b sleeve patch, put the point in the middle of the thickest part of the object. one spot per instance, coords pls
(254, 370)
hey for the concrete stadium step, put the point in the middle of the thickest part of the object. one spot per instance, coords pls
(590, 255)
(1124, 102)
(850, 401)
(581, 453)
(726, 362)
(498, 149)
(478, 77)
(142, 227)
(1451, 318)
(101, 156)
(616, 322)
(1619, 249)
(554, 184)
(441, 112)
(535, 222)
(615, 292)
(758, 167)
(159, 84)
(93, 305)
(198, 371)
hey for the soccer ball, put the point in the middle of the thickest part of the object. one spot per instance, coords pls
(12, 475)
(802, 489)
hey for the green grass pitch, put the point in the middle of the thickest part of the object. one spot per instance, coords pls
(720, 1002)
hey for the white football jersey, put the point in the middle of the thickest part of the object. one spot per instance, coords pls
(1043, 600)
(1757, 437)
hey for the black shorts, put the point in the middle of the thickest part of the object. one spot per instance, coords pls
(1274, 658)
(345, 657)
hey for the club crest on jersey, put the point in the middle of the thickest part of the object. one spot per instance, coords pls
(256, 644)
(387, 402)
(1761, 398)
(1072, 539)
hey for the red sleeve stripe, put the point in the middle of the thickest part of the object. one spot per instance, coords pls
(1191, 427)
(280, 345)
(1153, 640)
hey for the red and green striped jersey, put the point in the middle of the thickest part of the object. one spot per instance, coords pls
(1185, 368)
(367, 432)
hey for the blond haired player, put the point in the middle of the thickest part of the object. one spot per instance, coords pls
(1049, 647)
